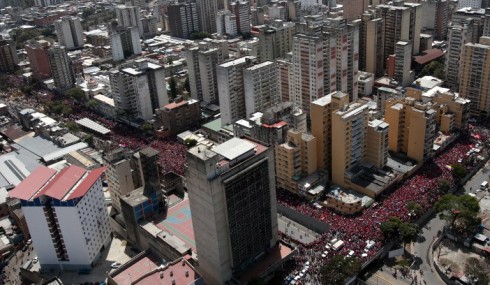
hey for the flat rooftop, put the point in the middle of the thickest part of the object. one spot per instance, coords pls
(233, 148)
(147, 269)
(178, 222)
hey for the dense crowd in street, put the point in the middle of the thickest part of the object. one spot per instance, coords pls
(356, 232)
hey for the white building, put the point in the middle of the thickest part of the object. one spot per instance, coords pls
(139, 88)
(231, 89)
(61, 68)
(476, 4)
(261, 88)
(125, 41)
(45, 3)
(129, 16)
(66, 216)
(226, 23)
(69, 31)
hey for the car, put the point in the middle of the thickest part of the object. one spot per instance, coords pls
(35, 259)
(115, 265)
(29, 241)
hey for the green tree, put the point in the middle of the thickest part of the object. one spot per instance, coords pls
(190, 142)
(443, 186)
(187, 84)
(147, 127)
(169, 60)
(89, 140)
(72, 126)
(461, 211)
(390, 227)
(199, 35)
(76, 94)
(414, 207)
(339, 269)
(434, 68)
(92, 103)
(458, 171)
(409, 232)
(173, 87)
(476, 272)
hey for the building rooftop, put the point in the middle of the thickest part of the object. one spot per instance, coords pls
(149, 152)
(147, 269)
(428, 55)
(70, 183)
(234, 148)
(87, 123)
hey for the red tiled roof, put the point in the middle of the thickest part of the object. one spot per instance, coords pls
(63, 182)
(89, 180)
(35, 181)
(276, 125)
(428, 56)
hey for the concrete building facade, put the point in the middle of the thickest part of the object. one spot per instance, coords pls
(69, 32)
(232, 196)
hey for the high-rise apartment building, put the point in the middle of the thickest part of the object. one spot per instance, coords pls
(435, 18)
(371, 44)
(149, 26)
(207, 10)
(8, 56)
(125, 42)
(201, 63)
(37, 52)
(119, 173)
(139, 88)
(129, 16)
(260, 87)
(459, 35)
(353, 9)
(231, 88)
(321, 125)
(61, 68)
(474, 80)
(69, 32)
(285, 74)
(349, 140)
(402, 22)
(242, 12)
(226, 23)
(377, 143)
(412, 127)
(403, 52)
(178, 116)
(182, 19)
(295, 159)
(232, 195)
(275, 39)
(308, 74)
(45, 3)
(66, 215)
(347, 54)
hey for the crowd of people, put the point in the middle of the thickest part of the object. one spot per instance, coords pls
(356, 232)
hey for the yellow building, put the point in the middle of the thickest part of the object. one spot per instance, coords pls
(377, 143)
(295, 159)
(349, 137)
(412, 127)
(321, 125)
(454, 111)
(474, 79)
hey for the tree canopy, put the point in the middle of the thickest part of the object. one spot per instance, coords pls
(75, 94)
(435, 68)
(461, 211)
(458, 171)
(475, 270)
(338, 269)
(199, 35)
(414, 207)
(395, 228)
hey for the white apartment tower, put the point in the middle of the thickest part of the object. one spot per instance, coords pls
(61, 68)
(66, 215)
(261, 88)
(231, 89)
(403, 52)
(139, 89)
(201, 63)
(69, 31)
(124, 42)
(129, 16)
